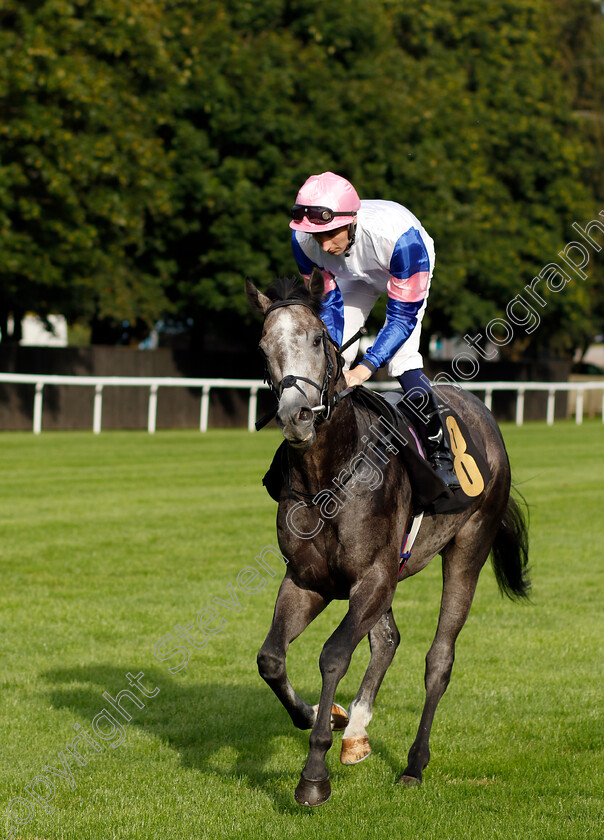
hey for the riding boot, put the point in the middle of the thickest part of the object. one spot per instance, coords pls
(434, 439)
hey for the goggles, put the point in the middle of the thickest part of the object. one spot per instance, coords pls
(317, 215)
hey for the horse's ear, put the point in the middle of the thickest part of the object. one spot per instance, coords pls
(316, 286)
(257, 301)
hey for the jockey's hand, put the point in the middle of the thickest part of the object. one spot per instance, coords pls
(357, 375)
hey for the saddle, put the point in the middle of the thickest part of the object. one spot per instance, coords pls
(395, 432)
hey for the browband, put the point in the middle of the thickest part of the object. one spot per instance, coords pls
(289, 302)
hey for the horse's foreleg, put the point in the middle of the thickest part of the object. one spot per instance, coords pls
(295, 608)
(369, 600)
(460, 576)
(384, 639)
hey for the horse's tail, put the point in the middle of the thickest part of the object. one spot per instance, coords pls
(510, 552)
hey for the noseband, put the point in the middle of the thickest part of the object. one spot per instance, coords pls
(326, 403)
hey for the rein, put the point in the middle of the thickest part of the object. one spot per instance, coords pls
(326, 403)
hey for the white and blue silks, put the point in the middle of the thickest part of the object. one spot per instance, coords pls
(392, 254)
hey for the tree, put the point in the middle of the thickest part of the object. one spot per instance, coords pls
(580, 28)
(152, 149)
(457, 109)
(497, 159)
(84, 176)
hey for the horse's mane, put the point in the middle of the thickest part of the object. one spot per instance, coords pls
(290, 288)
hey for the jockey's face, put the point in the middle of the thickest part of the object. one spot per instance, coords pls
(333, 241)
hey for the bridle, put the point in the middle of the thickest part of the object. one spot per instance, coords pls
(326, 402)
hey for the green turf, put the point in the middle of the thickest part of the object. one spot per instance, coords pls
(107, 542)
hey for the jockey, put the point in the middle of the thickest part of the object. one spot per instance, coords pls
(365, 249)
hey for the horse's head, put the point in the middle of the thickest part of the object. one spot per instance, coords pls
(301, 359)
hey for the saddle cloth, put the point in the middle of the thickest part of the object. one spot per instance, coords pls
(394, 433)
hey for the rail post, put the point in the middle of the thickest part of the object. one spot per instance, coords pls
(551, 405)
(38, 408)
(205, 408)
(488, 398)
(152, 415)
(520, 407)
(579, 409)
(98, 409)
(252, 409)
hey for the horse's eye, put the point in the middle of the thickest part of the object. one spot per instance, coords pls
(317, 341)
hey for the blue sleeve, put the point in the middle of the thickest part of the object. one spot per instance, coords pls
(332, 313)
(400, 323)
(410, 258)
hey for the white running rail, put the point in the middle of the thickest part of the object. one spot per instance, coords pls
(153, 384)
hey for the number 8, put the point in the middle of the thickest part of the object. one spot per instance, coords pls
(466, 468)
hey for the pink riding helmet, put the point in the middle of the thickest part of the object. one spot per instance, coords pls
(328, 191)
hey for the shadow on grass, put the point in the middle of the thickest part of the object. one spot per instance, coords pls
(199, 721)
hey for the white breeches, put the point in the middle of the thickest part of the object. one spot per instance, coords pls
(359, 299)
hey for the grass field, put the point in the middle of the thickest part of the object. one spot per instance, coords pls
(108, 542)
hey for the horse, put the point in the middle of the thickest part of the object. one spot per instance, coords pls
(352, 550)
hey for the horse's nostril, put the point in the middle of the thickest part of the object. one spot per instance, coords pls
(304, 414)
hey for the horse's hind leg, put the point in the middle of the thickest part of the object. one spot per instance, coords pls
(384, 639)
(460, 576)
(295, 608)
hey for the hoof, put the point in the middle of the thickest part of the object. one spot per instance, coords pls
(355, 749)
(409, 781)
(311, 792)
(339, 717)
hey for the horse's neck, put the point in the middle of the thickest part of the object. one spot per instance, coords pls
(337, 442)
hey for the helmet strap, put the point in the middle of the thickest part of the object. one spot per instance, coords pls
(352, 230)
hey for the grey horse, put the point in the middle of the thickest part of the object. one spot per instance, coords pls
(347, 545)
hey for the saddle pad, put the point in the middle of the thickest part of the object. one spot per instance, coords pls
(430, 494)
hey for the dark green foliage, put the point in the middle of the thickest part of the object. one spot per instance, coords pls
(150, 150)
(83, 170)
